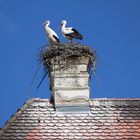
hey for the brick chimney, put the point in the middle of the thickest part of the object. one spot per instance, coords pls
(68, 67)
(70, 84)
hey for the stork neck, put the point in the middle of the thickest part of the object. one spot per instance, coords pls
(47, 26)
(64, 26)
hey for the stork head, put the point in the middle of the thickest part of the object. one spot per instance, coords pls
(47, 22)
(64, 22)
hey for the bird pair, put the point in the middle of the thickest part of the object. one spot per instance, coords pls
(68, 32)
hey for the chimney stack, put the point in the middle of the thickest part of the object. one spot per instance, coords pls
(68, 66)
(70, 85)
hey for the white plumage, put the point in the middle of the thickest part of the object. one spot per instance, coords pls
(52, 36)
(69, 32)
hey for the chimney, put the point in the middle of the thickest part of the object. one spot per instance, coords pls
(69, 77)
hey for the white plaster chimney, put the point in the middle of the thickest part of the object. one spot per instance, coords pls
(70, 84)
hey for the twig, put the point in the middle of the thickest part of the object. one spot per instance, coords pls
(41, 80)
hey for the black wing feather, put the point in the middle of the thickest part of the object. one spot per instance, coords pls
(75, 30)
(76, 34)
(58, 41)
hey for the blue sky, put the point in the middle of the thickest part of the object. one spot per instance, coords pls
(112, 27)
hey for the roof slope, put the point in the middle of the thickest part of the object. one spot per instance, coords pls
(109, 119)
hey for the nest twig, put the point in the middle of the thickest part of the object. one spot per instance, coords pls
(59, 53)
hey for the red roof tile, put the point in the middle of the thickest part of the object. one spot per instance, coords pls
(109, 119)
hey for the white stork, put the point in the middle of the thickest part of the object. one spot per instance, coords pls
(69, 32)
(52, 36)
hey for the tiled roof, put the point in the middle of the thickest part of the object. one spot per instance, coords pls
(109, 119)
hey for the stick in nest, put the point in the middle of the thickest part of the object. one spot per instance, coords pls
(61, 52)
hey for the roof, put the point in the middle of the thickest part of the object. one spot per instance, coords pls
(107, 119)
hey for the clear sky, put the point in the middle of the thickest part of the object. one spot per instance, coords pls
(112, 27)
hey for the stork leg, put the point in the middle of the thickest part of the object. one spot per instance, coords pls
(70, 40)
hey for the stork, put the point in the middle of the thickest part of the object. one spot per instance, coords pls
(69, 32)
(52, 36)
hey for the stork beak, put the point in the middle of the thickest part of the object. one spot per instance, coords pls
(45, 23)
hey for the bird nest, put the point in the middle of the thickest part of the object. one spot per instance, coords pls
(61, 53)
